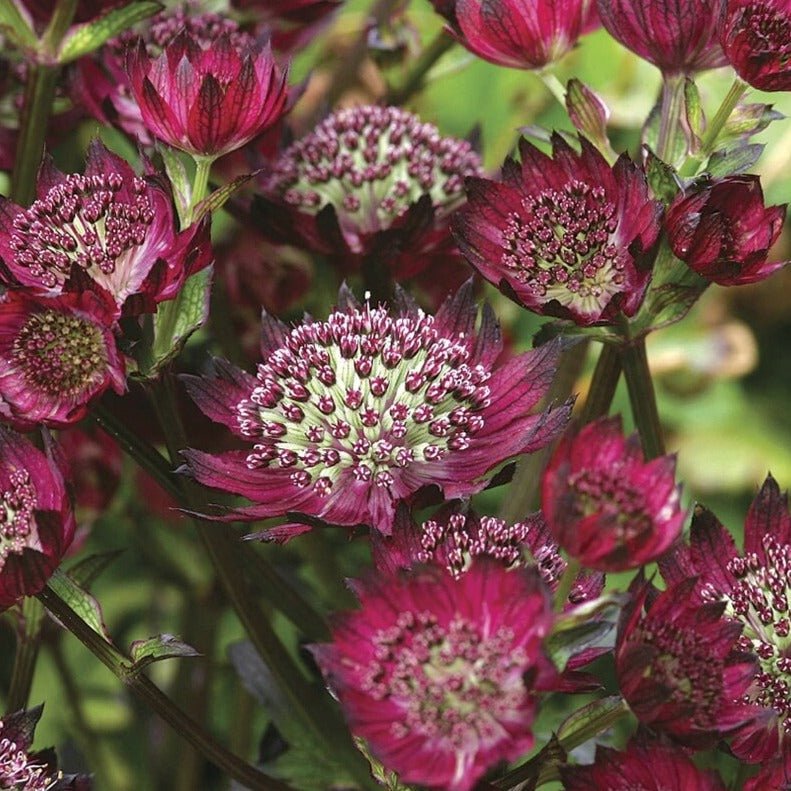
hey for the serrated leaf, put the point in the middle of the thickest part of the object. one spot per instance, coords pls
(389, 780)
(219, 197)
(14, 25)
(88, 569)
(89, 36)
(661, 177)
(157, 648)
(731, 161)
(85, 605)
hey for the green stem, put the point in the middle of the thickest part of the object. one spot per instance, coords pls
(26, 654)
(59, 23)
(414, 81)
(603, 385)
(200, 185)
(151, 695)
(709, 139)
(555, 87)
(642, 397)
(670, 117)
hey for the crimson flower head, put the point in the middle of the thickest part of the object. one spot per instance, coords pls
(724, 231)
(756, 37)
(678, 665)
(369, 181)
(207, 100)
(604, 504)
(565, 235)
(754, 588)
(679, 37)
(347, 416)
(436, 673)
(523, 34)
(108, 230)
(38, 523)
(646, 764)
(56, 356)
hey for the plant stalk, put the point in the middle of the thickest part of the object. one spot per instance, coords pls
(670, 118)
(642, 397)
(603, 385)
(415, 80)
(26, 655)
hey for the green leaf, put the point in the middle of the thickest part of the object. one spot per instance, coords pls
(88, 37)
(80, 601)
(155, 649)
(220, 196)
(88, 569)
(661, 177)
(386, 778)
(694, 116)
(747, 120)
(14, 25)
(730, 161)
(588, 112)
(566, 643)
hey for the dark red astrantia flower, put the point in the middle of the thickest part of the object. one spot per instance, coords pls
(755, 589)
(756, 37)
(563, 236)
(522, 34)
(207, 100)
(38, 523)
(604, 504)
(108, 230)
(647, 765)
(679, 37)
(436, 673)
(678, 666)
(724, 231)
(349, 415)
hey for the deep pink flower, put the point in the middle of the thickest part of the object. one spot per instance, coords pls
(107, 230)
(56, 355)
(724, 231)
(775, 775)
(563, 236)
(648, 765)
(436, 673)
(604, 504)
(369, 183)
(679, 37)
(754, 588)
(519, 33)
(678, 666)
(756, 37)
(38, 523)
(208, 100)
(349, 415)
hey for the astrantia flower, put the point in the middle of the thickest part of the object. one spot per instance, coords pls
(724, 231)
(563, 236)
(523, 34)
(349, 415)
(756, 590)
(56, 355)
(208, 100)
(435, 672)
(368, 181)
(756, 37)
(604, 504)
(38, 523)
(679, 37)
(678, 667)
(108, 230)
(646, 765)
(775, 775)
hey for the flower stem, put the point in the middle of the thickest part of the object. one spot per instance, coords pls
(735, 92)
(123, 668)
(26, 654)
(670, 118)
(414, 81)
(200, 185)
(554, 86)
(642, 397)
(603, 385)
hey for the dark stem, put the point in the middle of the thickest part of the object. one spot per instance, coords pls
(603, 385)
(438, 46)
(642, 397)
(28, 640)
(155, 699)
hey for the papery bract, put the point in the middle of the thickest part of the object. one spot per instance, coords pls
(435, 673)
(755, 587)
(349, 415)
(724, 231)
(604, 504)
(108, 230)
(679, 37)
(678, 667)
(565, 235)
(38, 523)
(56, 356)
(756, 37)
(519, 33)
